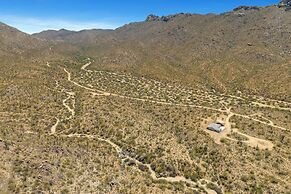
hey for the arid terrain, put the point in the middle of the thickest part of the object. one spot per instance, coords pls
(127, 110)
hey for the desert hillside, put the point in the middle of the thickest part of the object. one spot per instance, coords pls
(185, 103)
(247, 49)
(15, 42)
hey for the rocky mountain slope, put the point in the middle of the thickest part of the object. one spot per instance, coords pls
(53, 34)
(63, 35)
(286, 4)
(247, 49)
(13, 41)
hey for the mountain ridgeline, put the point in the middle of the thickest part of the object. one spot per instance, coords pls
(247, 49)
(13, 41)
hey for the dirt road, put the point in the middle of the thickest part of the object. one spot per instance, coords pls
(152, 173)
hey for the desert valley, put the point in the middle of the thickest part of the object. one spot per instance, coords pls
(129, 110)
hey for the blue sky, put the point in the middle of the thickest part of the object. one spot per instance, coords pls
(37, 15)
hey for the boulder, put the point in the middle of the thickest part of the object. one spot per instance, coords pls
(285, 4)
(152, 17)
(166, 18)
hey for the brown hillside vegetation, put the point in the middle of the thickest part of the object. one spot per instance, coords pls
(246, 50)
(13, 41)
(127, 110)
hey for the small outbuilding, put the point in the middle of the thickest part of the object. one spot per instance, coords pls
(217, 127)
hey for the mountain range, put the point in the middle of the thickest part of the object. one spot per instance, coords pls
(247, 49)
(184, 103)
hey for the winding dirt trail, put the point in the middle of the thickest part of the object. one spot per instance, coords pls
(86, 65)
(271, 106)
(273, 100)
(256, 142)
(54, 127)
(251, 141)
(262, 122)
(71, 95)
(152, 173)
(265, 105)
(191, 184)
(271, 122)
(103, 93)
(116, 147)
(71, 110)
(77, 84)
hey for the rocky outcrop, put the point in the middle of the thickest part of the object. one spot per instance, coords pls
(152, 17)
(247, 8)
(285, 4)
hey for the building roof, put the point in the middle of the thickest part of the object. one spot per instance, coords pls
(220, 122)
(214, 126)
